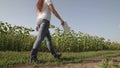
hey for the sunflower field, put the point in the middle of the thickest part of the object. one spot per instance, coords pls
(18, 38)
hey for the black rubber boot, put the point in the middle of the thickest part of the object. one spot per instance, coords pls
(57, 55)
(33, 56)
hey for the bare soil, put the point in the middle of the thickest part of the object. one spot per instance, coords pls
(87, 63)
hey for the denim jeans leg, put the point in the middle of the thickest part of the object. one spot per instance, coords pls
(42, 33)
(49, 43)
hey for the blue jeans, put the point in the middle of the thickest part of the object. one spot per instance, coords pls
(44, 33)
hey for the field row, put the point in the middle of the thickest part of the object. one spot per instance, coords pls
(18, 38)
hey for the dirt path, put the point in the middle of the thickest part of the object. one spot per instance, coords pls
(88, 63)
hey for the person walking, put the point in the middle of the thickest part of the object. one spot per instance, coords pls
(44, 9)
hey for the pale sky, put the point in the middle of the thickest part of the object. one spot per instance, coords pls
(95, 17)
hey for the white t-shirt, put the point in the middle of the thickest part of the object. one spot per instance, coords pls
(45, 13)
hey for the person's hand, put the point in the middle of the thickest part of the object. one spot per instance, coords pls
(62, 23)
(37, 28)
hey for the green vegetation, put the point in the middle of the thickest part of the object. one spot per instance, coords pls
(9, 59)
(18, 38)
(107, 63)
(16, 43)
(15, 38)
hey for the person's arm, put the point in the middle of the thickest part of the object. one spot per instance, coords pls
(51, 7)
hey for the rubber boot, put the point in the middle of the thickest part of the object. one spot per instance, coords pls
(33, 56)
(57, 55)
